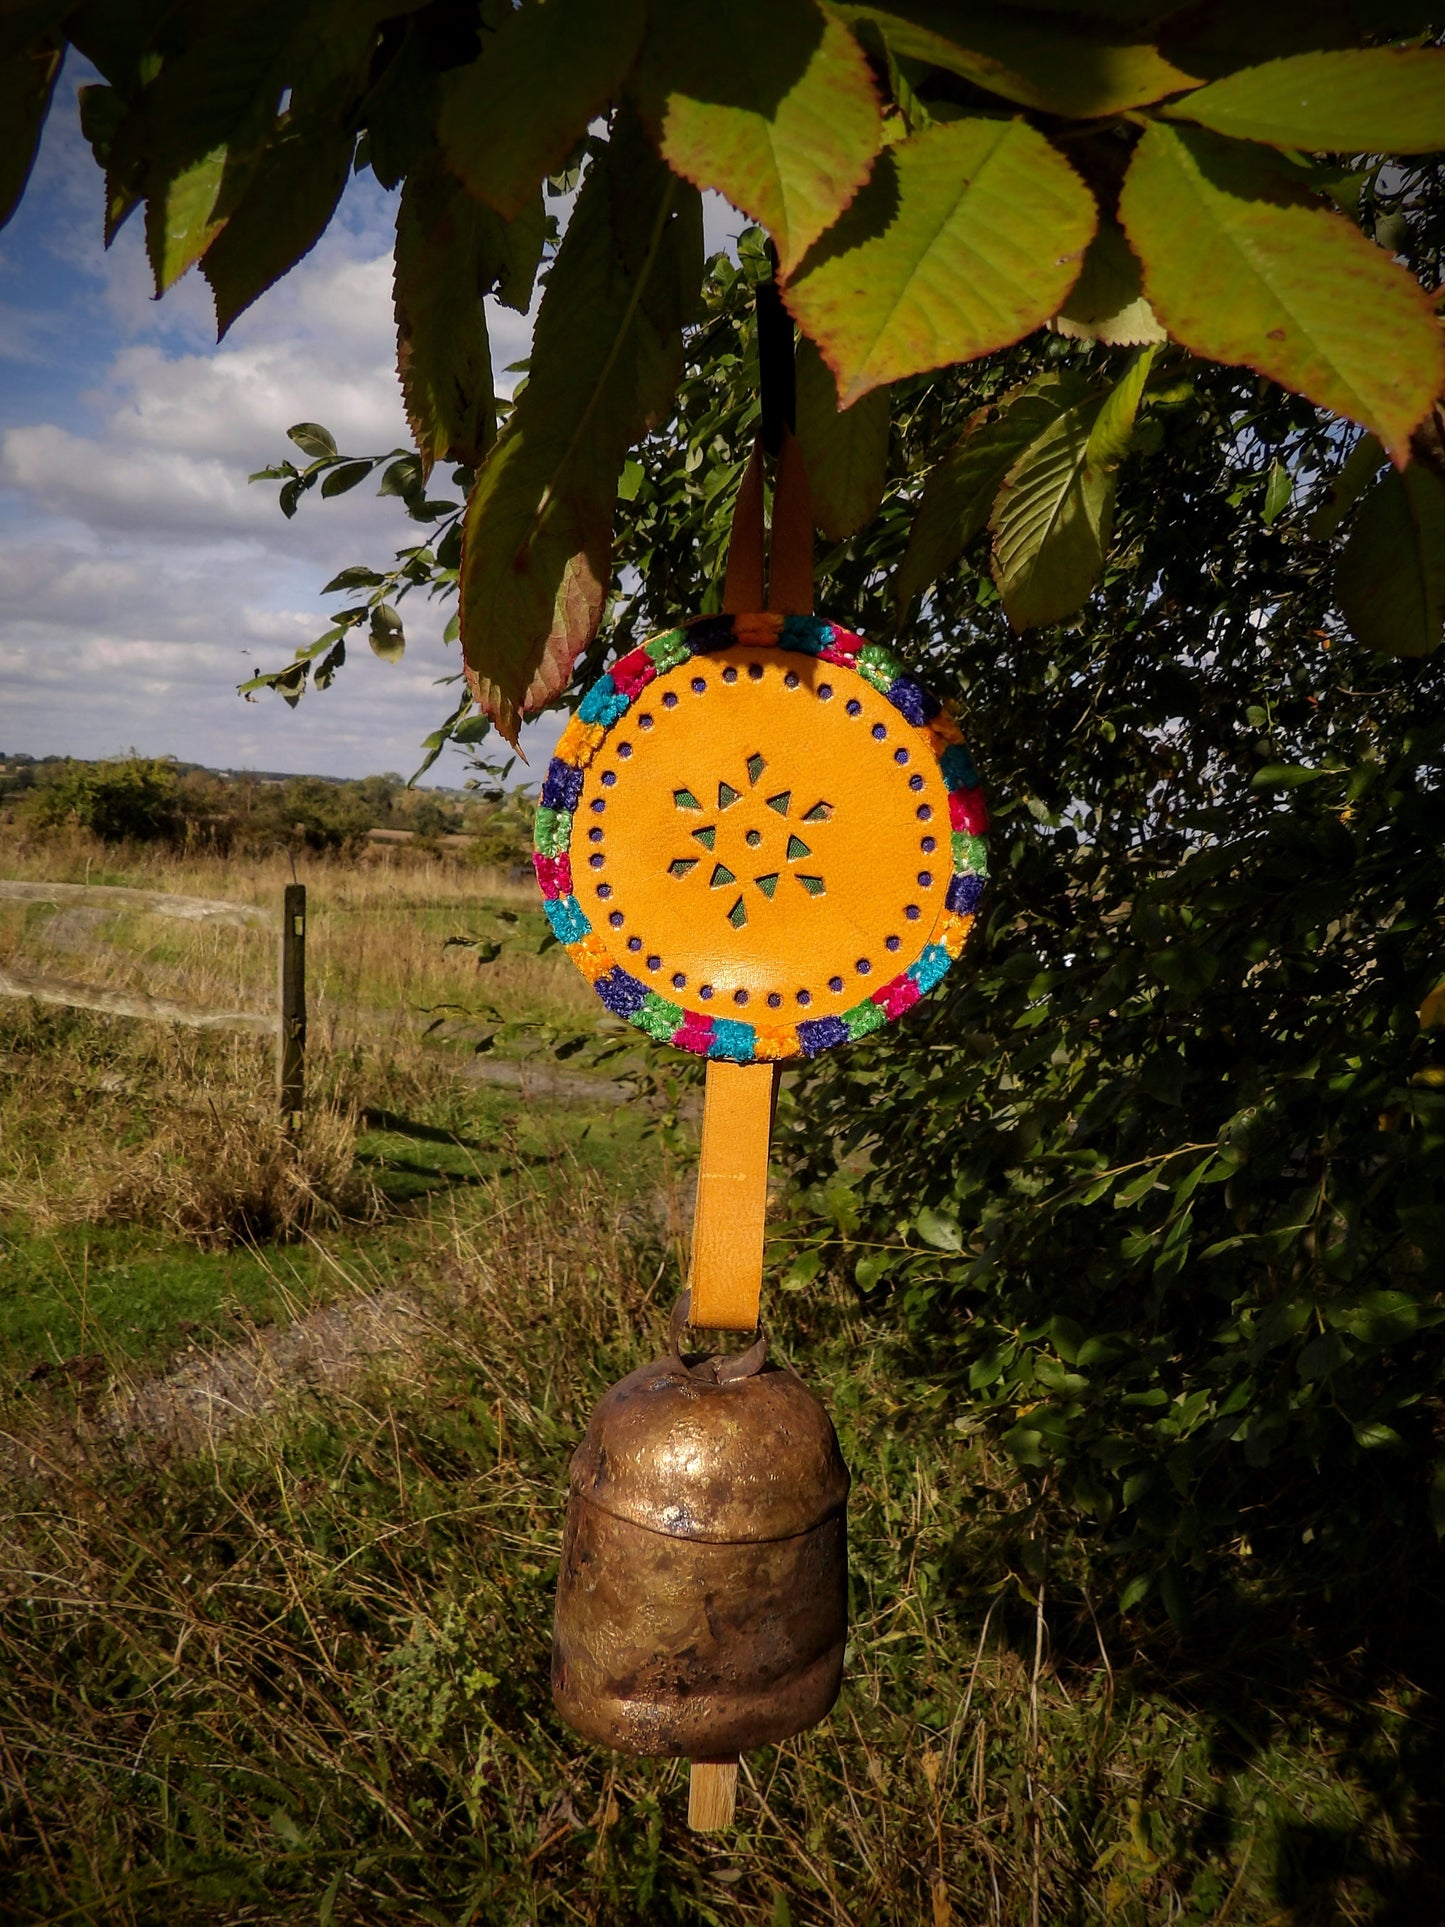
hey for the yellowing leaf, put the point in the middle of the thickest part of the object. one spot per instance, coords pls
(605, 361)
(966, 237)
(1054, 513)
(513, 116)
(1377, 100)
(846, 450)
(1242, 265)
(1390, 581)
(958, 494)
(1061, 65)
(1107, 301)
(768, 101)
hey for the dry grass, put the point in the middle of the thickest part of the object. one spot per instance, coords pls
(301, 1673)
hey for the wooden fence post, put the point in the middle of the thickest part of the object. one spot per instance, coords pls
(291, 1053)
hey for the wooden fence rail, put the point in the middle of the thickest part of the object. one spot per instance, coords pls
(287, 1024)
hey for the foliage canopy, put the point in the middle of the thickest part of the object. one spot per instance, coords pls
(939, 179)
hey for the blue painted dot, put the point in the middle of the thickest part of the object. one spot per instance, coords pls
(915, 782)
(892, 943)
(912, 912)
(825, 692)
(634, 943)
(678, 980)
(853, 706)
(624, 750)
(599, 805)
(774, 1000)
(925, 879)
(704, 991)
(698, 684)
(790, 681)
(616, 919)
(879, 732)
(928, 845)
(755, 671)
(604, 890)
(863, 966)
(644, 722)
(595, 834)
(924, 812)
(669, 701)
(805, 996)
(740, 996)
(609, 777)
(729, 675)
(835, 983)
(597, 861)
(654, 963)
(900, 755)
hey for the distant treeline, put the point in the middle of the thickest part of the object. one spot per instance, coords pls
(139, 799)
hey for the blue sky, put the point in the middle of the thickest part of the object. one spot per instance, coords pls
(140, 577)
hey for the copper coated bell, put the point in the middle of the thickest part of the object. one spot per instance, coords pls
(702, 1598)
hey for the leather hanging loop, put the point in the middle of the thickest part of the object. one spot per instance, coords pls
(743, 583)
(790, 571)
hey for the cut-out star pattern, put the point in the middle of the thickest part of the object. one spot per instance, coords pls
(756, 835)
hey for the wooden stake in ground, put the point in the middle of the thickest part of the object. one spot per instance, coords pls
(291, 1044)
(711, 1795)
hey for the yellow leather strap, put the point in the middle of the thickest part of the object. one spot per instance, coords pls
(732, 1196)
(737, 1115)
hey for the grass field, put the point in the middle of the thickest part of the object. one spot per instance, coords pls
(284, 1432)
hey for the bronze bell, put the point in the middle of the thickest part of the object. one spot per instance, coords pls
(702, 1599)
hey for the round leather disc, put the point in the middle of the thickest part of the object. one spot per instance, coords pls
(773, 837)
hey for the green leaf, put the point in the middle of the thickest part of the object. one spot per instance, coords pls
(1371, 1437)
(1362, 465)
(965, 238)
(1242, 265)
(1278, 491)
(1063, 66)
(513, 116)
(288, 201)
(958, 495)
(939, 1229)
(312, 439)
(1373, 100)
(770, 102)
(1390, 581)
(448, 247)
(1107, 301)
(1054, 513)
(358, 576)
(345, 478)
(606, 358)
(846, 450)
(27, 81)
(388, 638)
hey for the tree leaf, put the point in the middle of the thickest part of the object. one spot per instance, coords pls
(449, 251)
(1242, 265)
(312, 439)
(288, 201)
(340, 481)
(958, 494)
(1278, 492)
(1054, 513)
(1064, 66)
(846, 450)
(27, 82)
(1362, 465)
(387, 637)
(1374, 100)
(771, 102)
(1107, 301)
(966, 237)
(512, 117)
(1390, 581)
(606, 358)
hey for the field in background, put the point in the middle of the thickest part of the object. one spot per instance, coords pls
(284, 1433)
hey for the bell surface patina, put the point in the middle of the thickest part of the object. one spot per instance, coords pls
(702, 1597)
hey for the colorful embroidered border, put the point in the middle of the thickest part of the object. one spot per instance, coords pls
(612, 695)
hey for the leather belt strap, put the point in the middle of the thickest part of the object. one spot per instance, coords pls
(726, 1278)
